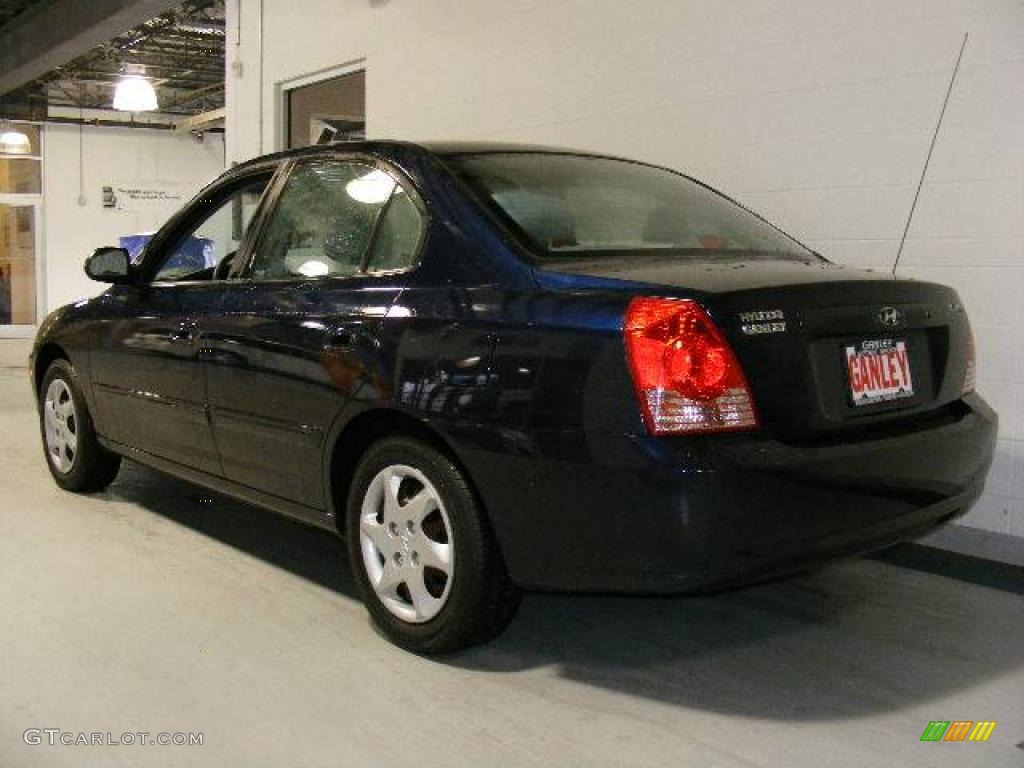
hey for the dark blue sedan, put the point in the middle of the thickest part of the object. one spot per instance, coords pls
(494, 368)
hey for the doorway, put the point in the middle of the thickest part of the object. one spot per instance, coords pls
(20, 236)
(332, 109)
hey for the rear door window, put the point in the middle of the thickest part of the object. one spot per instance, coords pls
(337, 218)
(398, 235)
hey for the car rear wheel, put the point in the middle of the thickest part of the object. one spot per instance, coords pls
(76, 459)
(422, 551)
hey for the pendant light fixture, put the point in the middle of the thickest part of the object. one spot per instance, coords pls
(134, 93)
(14, 142)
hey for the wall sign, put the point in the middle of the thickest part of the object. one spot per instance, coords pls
(141, 196)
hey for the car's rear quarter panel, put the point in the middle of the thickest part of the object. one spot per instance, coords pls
(532, 393)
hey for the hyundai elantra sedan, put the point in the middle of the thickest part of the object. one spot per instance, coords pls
(493, 368)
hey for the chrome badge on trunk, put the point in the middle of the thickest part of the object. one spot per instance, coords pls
(763, 321)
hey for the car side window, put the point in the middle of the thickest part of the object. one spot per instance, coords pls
(204, 252)
(325, 219)
(398, 235)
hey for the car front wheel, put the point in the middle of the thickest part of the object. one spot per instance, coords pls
(422, 551)
(76, 459)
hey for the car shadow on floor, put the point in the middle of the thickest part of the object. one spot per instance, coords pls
(855, 638)
(312, 553)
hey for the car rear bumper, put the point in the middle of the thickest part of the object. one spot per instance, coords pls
(624, 513)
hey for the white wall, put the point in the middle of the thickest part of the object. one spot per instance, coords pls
(818, 113)
(72, 231)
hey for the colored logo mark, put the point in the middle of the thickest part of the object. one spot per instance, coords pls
(958, 730)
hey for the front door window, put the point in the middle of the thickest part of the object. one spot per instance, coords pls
(206, 250)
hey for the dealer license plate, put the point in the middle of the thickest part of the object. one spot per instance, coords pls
(878, 371)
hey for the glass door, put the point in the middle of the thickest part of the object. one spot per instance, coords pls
(21, 301)
(19, 278)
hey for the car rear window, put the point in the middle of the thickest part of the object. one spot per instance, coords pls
(577, 206)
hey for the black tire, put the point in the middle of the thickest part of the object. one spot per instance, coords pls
(481, 601)
(93, 467)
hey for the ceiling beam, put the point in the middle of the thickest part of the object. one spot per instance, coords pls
(55, 32)
(212, 119)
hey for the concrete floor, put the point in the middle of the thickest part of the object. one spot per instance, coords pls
(158, 607)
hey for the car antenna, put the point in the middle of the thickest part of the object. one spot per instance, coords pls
(927, 159)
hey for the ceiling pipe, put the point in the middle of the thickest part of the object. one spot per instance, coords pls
(98, 123)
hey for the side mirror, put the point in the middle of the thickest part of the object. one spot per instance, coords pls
(109, 265)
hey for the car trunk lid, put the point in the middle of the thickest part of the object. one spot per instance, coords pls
(799, 327)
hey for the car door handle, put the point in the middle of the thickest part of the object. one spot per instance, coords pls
(184, 332)
(221, 357)
(341, 340)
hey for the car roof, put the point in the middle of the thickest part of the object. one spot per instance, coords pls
(386, 147)
(482, 147)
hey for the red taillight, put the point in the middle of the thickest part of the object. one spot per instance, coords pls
(970, 372)
(686, 376)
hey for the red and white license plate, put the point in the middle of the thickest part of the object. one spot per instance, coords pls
(878, 370)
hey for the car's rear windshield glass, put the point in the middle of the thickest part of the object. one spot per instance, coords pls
(577, 206)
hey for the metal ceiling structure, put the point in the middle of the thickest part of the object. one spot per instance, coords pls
(182, 51)
(11, 8)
